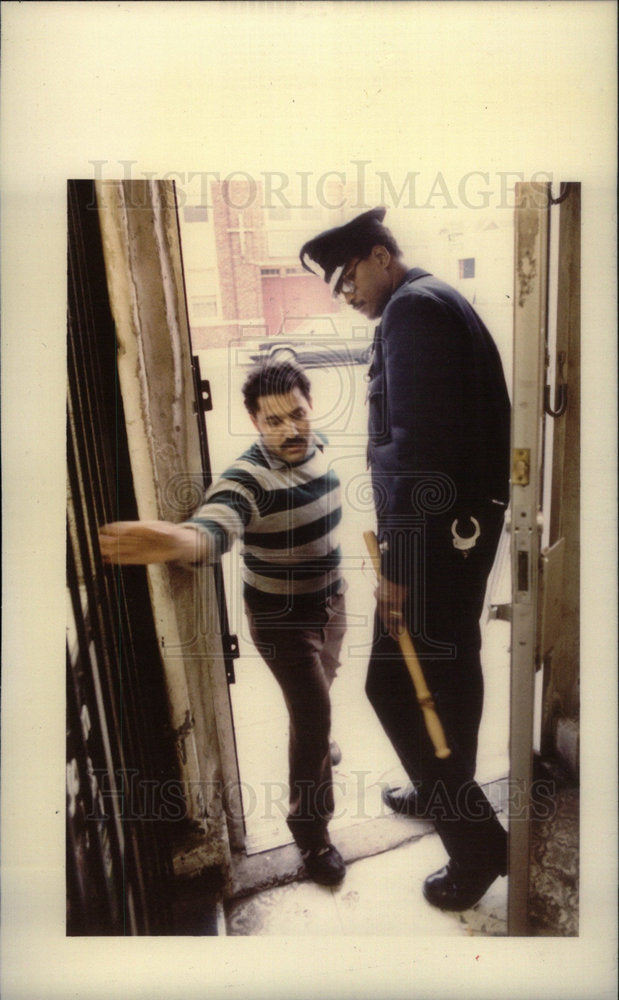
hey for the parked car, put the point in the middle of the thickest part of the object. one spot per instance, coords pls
(317, 342)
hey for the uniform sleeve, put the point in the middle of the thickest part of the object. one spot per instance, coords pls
(424, 351)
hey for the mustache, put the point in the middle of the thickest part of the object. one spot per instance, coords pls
(291, 442)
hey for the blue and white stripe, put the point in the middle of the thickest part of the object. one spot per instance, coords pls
(285, 516)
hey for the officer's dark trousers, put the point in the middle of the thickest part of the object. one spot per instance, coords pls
(302, 648)
(446, 593)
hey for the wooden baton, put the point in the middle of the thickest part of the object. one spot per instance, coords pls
(426, 703)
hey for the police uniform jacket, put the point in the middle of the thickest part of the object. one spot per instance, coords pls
(439, 418)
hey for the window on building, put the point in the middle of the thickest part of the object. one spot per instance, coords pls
(270, 272)
(204, 306)
(195, 213)
(466, 267)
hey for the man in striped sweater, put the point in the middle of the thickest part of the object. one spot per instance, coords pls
(282, 501)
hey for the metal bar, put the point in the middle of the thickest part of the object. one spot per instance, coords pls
(106, 682)
(104, 871)
(530, 319)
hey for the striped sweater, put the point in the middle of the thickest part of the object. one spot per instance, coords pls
(285, 516)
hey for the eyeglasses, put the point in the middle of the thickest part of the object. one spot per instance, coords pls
(346, 284)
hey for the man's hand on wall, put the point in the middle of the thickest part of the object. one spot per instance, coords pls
(140, 542)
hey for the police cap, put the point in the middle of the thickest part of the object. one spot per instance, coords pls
(328, 253)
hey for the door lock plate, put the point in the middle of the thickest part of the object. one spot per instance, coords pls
(521, 466)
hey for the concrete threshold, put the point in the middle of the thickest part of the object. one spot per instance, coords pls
(257, 872)
(281, 865)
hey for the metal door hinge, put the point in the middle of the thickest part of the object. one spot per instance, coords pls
(500, 612)
(204, 398)
(230, 645)
(203, 402)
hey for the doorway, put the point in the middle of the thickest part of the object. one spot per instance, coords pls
(260, 719)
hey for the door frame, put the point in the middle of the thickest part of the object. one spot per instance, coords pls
(539, 613)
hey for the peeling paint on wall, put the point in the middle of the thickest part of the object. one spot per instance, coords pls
(526, 264)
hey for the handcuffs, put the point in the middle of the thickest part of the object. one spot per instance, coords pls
(465, 544)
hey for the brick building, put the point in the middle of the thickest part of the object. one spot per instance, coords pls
(242, 269)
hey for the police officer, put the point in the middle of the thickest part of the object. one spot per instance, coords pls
(439, 433)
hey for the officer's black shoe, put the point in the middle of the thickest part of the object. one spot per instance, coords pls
(456, 888)
(324, 865)
(406, 801)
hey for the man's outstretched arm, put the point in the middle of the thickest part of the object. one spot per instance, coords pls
(139, 542)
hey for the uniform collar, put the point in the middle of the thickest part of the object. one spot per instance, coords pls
(413, 275)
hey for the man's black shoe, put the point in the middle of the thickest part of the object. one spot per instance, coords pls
(325, 865)
(455, 888)
(406, 801)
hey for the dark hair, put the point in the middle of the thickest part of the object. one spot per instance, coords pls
(273, 378)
